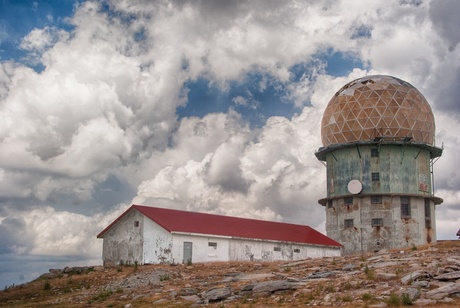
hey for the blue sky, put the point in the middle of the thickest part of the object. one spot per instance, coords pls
(210, 106)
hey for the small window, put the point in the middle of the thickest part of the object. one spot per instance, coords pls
(348, 201)
(348, 223)
(377, 222)
(329, 203)
(297, 250)
(136, 223)
(276, 248)
(405, 207)
(374, 152)
(212, 244)
(376, 200)
(375, 176)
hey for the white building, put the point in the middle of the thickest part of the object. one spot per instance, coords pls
(156, 235)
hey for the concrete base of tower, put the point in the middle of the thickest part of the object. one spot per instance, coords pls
(370, 223)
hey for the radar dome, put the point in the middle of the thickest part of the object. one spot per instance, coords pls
(377, 107)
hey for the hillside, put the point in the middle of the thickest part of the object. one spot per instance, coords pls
(428, 276)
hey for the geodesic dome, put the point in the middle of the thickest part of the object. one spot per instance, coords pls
(377, 107)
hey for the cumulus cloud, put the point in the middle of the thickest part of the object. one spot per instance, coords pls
(104, 106)
(444, 17)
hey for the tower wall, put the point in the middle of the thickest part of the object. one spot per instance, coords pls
(395, 230)
(401, 169)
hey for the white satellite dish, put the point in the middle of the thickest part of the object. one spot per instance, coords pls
(355, 187)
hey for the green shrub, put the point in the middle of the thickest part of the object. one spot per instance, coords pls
(47, 285)
(347, 298)
(406, 301)
(369, 273)
(164, 277)
(393, 300)
(367, 297)
(103, 295)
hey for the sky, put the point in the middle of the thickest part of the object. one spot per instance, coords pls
(207, 106)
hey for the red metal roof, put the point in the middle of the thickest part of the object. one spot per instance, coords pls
(192, 222)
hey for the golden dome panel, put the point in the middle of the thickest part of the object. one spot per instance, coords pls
(377, 106)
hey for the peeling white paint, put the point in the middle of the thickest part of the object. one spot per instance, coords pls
(150, 243)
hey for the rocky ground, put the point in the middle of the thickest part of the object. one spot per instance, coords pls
(423, 276)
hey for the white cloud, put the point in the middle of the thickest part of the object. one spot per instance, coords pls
(105, 104)
(41, 39)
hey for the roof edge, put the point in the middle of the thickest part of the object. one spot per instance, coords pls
(101, 234)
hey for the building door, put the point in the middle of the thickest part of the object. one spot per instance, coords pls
(187, 252)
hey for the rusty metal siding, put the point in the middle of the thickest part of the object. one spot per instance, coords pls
(402, 169)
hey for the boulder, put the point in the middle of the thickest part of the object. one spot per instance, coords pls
(217, 294)
(416, 276)
(272, 286)
(412, 293)
(323, 274)
(448, 276)
(443, 291)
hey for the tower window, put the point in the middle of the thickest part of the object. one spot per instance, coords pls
(329, 203)
(375, 176)
(348, 201)
(377, 222)
(374, 152)
(136, 223)
(405, 207)
(376, 200)
(348, 223)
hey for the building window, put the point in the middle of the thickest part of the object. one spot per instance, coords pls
(375, 176)
(405, 207)
(376, 200)
(374, 152)
(348, 201)
(297, 250)
(212, 244)
(276, 248)
(329, 203)
(377, 222)
(136, 223)
(348, 223)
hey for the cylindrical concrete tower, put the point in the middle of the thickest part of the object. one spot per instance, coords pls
(378, 146)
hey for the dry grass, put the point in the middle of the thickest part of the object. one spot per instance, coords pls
(87, 289)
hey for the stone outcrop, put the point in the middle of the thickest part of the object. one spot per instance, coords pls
(423, 277)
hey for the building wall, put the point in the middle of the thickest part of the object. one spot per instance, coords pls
(123, 243)
(252, 250)
(201, 249)
(158, 243)
(396, 230)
